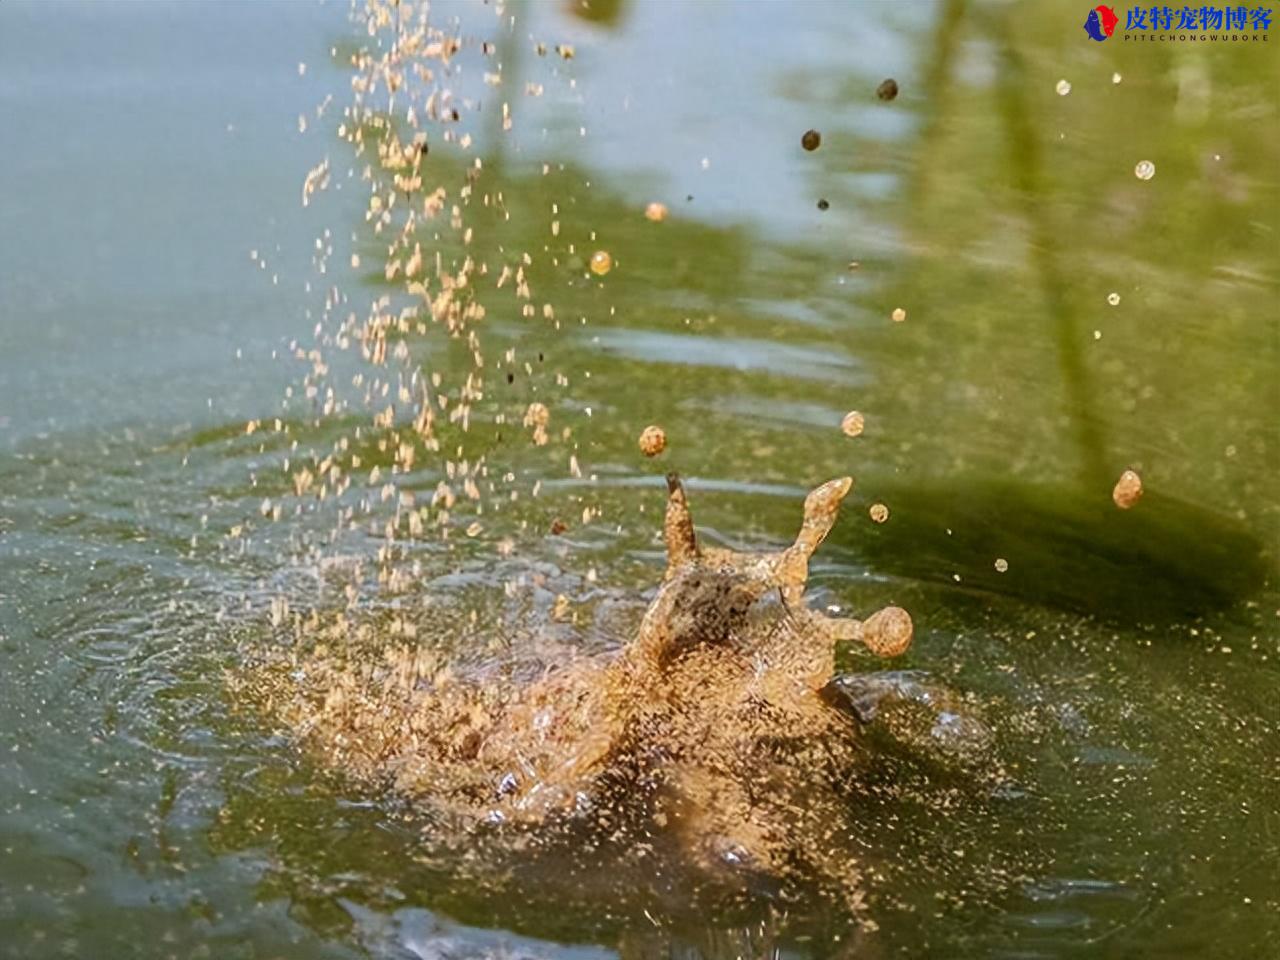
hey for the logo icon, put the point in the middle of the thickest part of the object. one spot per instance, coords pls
(1101, 23)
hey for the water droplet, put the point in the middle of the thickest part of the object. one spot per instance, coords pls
(852, 424)
(1128, 490)
(653, 440)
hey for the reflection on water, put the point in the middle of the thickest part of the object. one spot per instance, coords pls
(1123, 664)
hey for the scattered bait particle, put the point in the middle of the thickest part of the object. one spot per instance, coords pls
(1128, 490)
(1116, 78)
(560, 611)
(558, 527)
(537, 415)
(653, 440)
(1145, 170)
(899, 315)
(823, 205)
(811, 140)
(566, 51)
(1097, 334)
(601, 263)
(302, 69)
(852, 423)
(1002, 565)
(355, 261)
(855, 265)
(474, 529)
(1063, 87)
(706, 163)
(657, 212)
(878, 512)
(888, 89)
(1113, 299)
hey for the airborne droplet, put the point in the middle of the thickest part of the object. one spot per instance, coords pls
(653, 440)
(1128, 490)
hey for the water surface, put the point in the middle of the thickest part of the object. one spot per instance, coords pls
(1126, 662)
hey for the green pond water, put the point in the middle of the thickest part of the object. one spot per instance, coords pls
(1126, 663)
